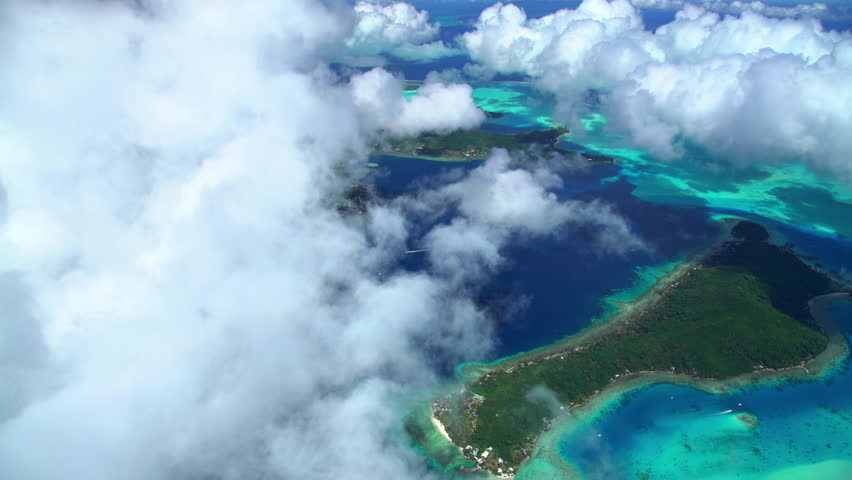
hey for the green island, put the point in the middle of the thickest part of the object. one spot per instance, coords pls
(467, 145)
(741, 309)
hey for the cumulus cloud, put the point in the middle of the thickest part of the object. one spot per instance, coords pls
(181, 298)
(509, 42)
(437, 106)
(397, 29)
(702, 79)
(500, 200)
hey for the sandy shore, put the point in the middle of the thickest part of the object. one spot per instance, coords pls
(440, 427)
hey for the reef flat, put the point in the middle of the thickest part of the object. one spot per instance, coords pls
(740, 309)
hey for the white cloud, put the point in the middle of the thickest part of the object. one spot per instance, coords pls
(397, 29)
(498, 201)
(183, 298)
(436, 107)
(701, 78)
(508, 197)
(184, 301)
(507, 41)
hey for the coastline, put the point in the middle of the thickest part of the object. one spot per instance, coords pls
(431, 159)
(621, 316)
(440, 426)
(546, 462)
(625, 311)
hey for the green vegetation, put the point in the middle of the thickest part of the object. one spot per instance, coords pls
(442, 454)
(477, 145)
(470, 144)
(743, 309)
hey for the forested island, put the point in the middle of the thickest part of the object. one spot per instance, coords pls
(477, 145)
(356, 197)
(740, 309)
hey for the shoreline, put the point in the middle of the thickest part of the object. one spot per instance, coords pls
(440, 426)
(546, 454)
(545, 459)
(430, 159)
(546, 462)
(624, 313)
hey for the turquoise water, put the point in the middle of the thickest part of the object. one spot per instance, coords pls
(791, 194)
(522, 106)
(787, 193)
(646, 276)
(676, 432)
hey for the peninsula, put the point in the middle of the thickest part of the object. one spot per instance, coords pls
(741, 308)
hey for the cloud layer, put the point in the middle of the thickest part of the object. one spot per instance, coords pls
(181, 298)
(702, 79)
(397, 29)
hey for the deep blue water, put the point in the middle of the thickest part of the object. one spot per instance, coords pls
(552, 287)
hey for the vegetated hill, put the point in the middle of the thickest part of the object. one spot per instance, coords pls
(743, 309)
